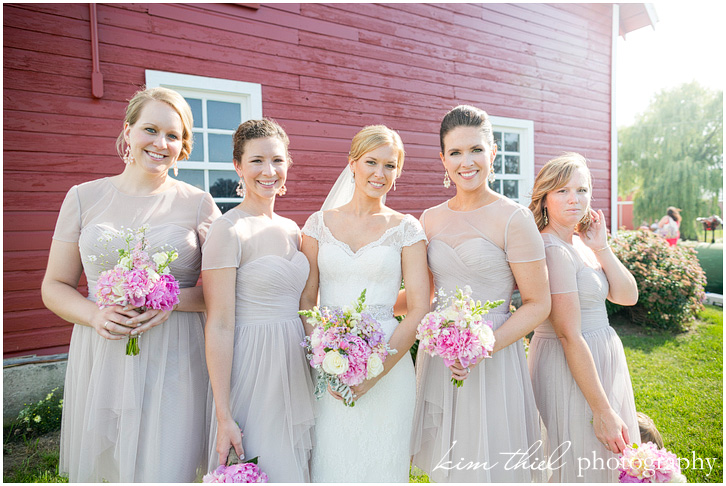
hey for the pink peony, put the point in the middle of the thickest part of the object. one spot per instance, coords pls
(164, 295)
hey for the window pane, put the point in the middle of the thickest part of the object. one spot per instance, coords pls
(221, 114)
(511, 142)
(511, 164)
(196, 106)
(498, 140)
(511, 189)
(497, 164)
(226, 206)
(190, 176)
(496, 186)
(220, 148)
(197, 154)
(223, 183)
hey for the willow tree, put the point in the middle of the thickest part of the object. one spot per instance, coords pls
(673, 156)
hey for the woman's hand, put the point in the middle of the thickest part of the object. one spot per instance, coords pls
(229, 435)
(460, 372)
(363, 388)
(111, 322)
(611, 430)
(597, 236)
(146, 320)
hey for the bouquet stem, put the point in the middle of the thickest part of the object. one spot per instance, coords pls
(456, 382)
(132, 347)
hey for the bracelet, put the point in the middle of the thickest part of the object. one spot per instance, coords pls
(601, 249)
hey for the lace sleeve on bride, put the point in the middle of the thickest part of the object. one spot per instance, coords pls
(413, 232)
(314, 225)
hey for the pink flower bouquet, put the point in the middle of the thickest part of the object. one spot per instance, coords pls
(456, 330)
(346, 347)
(138, 279)
(236, 472)
(645, 463)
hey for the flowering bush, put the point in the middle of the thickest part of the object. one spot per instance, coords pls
(648, 464)
(40, 417)
(670, 280)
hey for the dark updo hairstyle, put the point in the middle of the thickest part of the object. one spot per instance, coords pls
(467, 116)
(253, 129)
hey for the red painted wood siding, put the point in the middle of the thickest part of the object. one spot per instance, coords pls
(325, 71)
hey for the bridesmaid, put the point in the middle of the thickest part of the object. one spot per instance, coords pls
(576, 360)
(481, 239)
(134, 418)
(253, 276)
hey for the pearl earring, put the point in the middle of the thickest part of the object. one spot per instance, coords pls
(128, 158)
(447, 181)
(240, 188)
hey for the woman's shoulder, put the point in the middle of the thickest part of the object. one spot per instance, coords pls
(188, 190)
(93, 187)
(441, 207)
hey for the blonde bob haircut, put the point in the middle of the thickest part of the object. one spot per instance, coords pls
(556, 174)
(171, 98)
(373, 137)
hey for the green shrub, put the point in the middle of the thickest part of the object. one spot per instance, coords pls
(670, 280)
(41, 417)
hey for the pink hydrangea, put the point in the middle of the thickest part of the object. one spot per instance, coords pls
(236, 473)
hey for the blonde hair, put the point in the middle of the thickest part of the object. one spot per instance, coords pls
(554, 175)
(171, 98)
(374, 136)
(648, 430)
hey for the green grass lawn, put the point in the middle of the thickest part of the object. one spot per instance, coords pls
(677, 379)
(678, 382)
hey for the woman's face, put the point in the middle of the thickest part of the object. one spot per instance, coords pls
(567, 205)
(375, 171)
(263, 166)
(467, 157)
(155, 139)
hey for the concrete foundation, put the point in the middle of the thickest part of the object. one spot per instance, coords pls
(28, 380)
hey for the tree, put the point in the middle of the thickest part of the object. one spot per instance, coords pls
(673, 156)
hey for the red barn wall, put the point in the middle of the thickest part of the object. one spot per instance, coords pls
(325, 71)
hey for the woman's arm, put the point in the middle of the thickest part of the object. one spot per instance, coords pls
(565, 319)
(414, 267)
(60, 295)
(219, 293)
(309, 296)
(623, 288)
(401, 306)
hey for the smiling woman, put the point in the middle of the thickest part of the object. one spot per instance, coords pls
(117, 425)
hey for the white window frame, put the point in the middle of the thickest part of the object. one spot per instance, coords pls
(525, 129)
(249, 95)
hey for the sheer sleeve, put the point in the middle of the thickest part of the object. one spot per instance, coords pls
(522, 241)
(208, 213)
(68, 226)
(561, 269)
(412, 231)
(222, 248)
(314, 225)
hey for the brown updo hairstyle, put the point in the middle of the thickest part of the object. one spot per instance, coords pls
(171, 98)
(372, 137)
(467, 116)
(254, 129)
(556, 174)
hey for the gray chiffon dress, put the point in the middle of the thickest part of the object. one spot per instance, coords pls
(136, 418)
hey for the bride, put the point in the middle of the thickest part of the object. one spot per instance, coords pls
(362, 244)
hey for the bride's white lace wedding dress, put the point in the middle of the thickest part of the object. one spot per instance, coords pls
(370, 441)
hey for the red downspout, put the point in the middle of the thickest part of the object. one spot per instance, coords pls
(96, 76)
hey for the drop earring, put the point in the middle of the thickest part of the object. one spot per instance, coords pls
(128, 158)
(240, 188)
(544, 216)
(352, 176)
(447, 181)
(282, 190)
(491, 177)
(394, 184)
(176, 170)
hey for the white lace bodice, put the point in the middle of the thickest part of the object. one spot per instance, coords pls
(375, 267)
